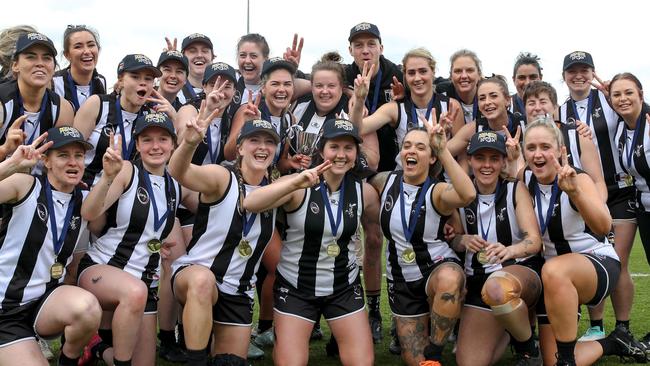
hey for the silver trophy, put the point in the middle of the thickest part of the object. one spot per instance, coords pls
(306, 142)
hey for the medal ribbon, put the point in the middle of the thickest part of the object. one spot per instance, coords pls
(339, 212)
(250, 219)
(41, 113)
(58, 240)
(590, 107)
(543, 223)
(485, 233)
(375, 97)
(73, 87)
(126, 150)
(213, 154)
(416, 121)
(157, 222)
(630, 149)
(409, 228)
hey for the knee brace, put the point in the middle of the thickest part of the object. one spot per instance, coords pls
(502, 290)
(228, 359)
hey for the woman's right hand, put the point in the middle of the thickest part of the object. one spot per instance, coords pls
(196, 127)
(310, 177)
(25, 157)
(112, 159)
(362, 82)
(14, 137)
(473, 243)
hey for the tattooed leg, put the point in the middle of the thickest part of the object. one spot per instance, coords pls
(412, 333)
(445, 289)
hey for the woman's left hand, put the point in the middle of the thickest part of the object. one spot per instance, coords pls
(497, 253)
(566, 175)
(512, 144)
(294, 53)
(437, 131)
(162, 105)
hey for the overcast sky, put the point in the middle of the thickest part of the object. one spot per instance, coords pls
(496, 30)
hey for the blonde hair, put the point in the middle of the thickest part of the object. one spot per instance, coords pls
(547, 123)
(8, 38)
(422, 53)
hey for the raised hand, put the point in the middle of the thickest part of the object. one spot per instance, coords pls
(216, 96)
(112, 159)
(449, 117)
(293, 53)
(25, 157)
(512, 144)
(162, 105)
(397, 88)
(196, 127)
(566, 175)
(362, 82)
(603, 86)
(307, 178)
(15, 136)
(171, 46)
(252, 109)
(437, 131)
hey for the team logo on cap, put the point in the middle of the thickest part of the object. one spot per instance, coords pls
(219, 66)
(155, 118)
(69, 132)
(196, 35)
(362, 27)
(37, 37)
(487, 136)
(262, 124)
(174, 53)
(343, 124)
(143, 59)
(577, 55)
(275, 59)
(120, 67)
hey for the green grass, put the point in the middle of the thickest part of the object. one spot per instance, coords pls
(640, 324)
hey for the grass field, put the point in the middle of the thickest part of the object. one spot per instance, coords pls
(640, 323)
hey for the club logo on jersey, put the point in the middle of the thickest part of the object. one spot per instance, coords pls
(343, 124)
(578, 55)
(388, 205)
(74, 222)
(596, 112)
(142, 195)
(638, 150)
(41, 211)
(470, 217)
(236, 98)
(351, 209)
(502, 214)
(108, 130)
(314, 208)
(388, 95)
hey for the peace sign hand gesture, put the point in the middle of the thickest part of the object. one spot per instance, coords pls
(112, 159)
(437, 132)
(293, 53)
(171, 46)
(14, 137)
(449, 117)
(216, 96)
(162, 105)
(512, 144)
(25, 157)
(252, 109)
(603, 86)
(566, 175)
(307, 178)
(397, 89)
(196, 127)
(362, 82)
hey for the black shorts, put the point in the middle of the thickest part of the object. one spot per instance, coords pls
(622, 203)
(607, 270)
(152, 292)
(290, 301)
(185, 216)
(409, 299)
(19, 324)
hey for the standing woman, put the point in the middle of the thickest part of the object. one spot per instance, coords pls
(502, 263)
(32, 67)
(115, 113)
(131, 210)
(465, 73)
(318, 272)
(592, 107)
(40, 228)
(214, 280)
(80, 79)
(252, 52)
(526, 70)
(425, 278)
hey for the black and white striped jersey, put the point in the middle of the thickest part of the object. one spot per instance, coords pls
(634, 156)
(514, 121)
(313, 259)
(572, 143)
(567, 231)
(495, 216)
(188, 93)
(130, 225)
(517, 106)
(66, 87)
(410, 261)
(27, 243)
(216, 236)
(604, 122)
(307, 116)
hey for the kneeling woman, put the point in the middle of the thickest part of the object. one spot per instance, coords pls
(502, 264)
(425, 278)
(131, 211)
(40, 229)
(317, 273)
(214, 280)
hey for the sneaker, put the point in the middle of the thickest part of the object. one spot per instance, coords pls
(429, 363)
(265, 339)
(87, 357)
(645, 345)
(376, 329)
(45, 349)
(593, 334)
(625, 346)
(173, 354)
(316, 334)
(525, 359)
(394, 347)
(332, 347)
(254, 352)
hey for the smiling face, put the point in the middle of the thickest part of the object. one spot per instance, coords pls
(199, 56)
(626, 98)
(366, 47)
(136, 87)
(34, 66)
(492, 101)
(257, 151)
(250, 60)
(326, 89)
(486, 164)
(65, 166)
(418, 76)
(155, 145)
(541, 147)
(578, 78)
(342, 152)
(464, 75)
(82, 52)
(525, 75)
(538, 106)
(173, 77)
(278, 90)
(228, 90)
(416, 156)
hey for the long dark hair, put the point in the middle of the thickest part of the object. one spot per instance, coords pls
(435, 169)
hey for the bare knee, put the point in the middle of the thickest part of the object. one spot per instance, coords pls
(86, 309)
(554, 273)
(134, 296)
(448, 280)
(500, 288)
(201, 286)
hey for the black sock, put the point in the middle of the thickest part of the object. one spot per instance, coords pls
(566, 350)
(525, 347)
(433, 352)
(121, 363)
(99, 349)
(67, 361)
(264, 325)
(106, 335)
(197, 358)
(608, 350)
(623, 323)
(181, 336)
(167, 338)
(373, 301)
(317, 325)
(596, 323)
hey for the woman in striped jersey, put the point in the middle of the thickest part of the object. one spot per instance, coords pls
(318, 272)
(131, 209)
(40, 228)
(215, 279)
(502, 265)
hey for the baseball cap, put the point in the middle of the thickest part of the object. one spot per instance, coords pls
(487, 140)
(154, 120)
(28, 40)
(174, 56)
(576, 58)
(275, 63)
(65, 135)
(258, 125)
(219, 68)
(340, 127)
(364, 27)
(196, 37)
(135, 62)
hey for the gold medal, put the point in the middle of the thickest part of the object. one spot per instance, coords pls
(482, 257)
(333, 249)
(275, 174)
(154, 245)
(244, 248)
(408, 255)
(629, 181)
(56, 271)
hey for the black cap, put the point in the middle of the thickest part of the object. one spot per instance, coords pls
(364, 27)
(258, 125)
(487, 140)
(196, 37)
(275, 63)
(219, 68)
(65, 135)
(154, 120)
(576, 58)
(340, 127)
(174, 56)
(27, 40)
(137, 62)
